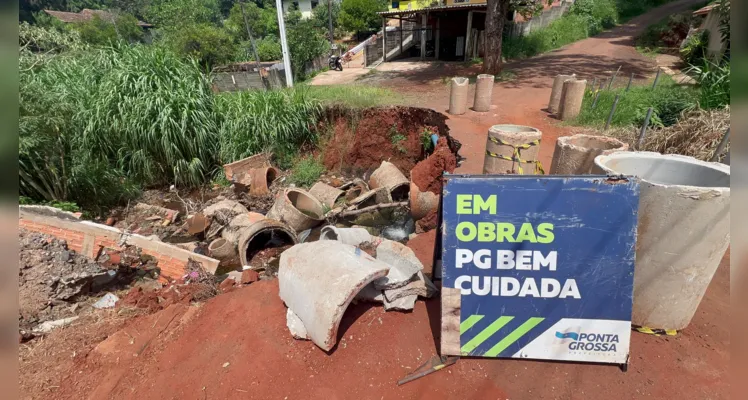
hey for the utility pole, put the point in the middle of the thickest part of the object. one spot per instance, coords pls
(329, 16)
(284, 44)
(252, 40)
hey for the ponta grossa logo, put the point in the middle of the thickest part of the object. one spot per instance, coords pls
(582, 341)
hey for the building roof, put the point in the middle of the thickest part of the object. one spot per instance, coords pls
(434, 8)
(705, 10)
(86, 14)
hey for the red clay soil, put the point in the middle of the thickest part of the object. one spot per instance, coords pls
(361, 141)
(427, 174)
(237, 346)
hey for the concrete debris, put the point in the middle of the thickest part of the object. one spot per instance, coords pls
(109, 300)
(319, 279)
(402, 304)
(370, 294)
(162, 212)
(421, 286)
(326, 194)
(294, 324)
(405, 265)
(224, 208)
(297, 208)
(236, 171)
(48, 326)
(260, 180)
(235, 275)
(197, 224)
(351, 236)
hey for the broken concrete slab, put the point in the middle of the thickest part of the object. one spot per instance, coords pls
(352, 236)
(402, 304)
(319, 279)
(370, 294)
(421, 286)
(405, 264)
(296, 326)
(237, 170)
(227, 208)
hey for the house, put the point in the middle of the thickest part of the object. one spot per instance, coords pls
(305, 6)
(711, 24)
(86, 14)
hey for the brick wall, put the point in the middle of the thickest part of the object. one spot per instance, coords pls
(88, 238)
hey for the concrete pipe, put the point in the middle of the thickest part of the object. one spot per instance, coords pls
(458, 95)
(238, 223)
(263, 234)
(297, 208)
(357, 188)
(575, 155)
(351, 236)
(683, 232)
(224, 251)
(421, 203)
(500, 149)
(558, 88)
(572, 95)
(318, 281)
(483, 92)
(326, 194)
(389, 176)
(261, 178)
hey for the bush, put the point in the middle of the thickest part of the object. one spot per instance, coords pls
(305, 44)
(269, 49)
(694, 50)
(560, 32)
(714, 82)
(628, 9)
(100, 32)
(306, 172)
(598, 14)
(667, 100)
(209, 45)
(666, 34)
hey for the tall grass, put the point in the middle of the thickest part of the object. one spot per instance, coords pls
(714, 82)
(355, 96)
(280, 121)
(668, 101)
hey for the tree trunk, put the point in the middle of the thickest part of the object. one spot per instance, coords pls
(495, 18)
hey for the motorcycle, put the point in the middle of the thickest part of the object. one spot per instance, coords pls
(334, 62)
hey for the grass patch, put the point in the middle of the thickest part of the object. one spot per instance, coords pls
(668, 101)
(354, 96)
(306, 171)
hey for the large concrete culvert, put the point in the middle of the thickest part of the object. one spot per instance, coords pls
(575, 155)
(503, 144)
(683, 232)
(458, 95)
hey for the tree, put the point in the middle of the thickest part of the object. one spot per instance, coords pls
(305, 43)
(98, 31)
(496, 15)
(360, 16)
(262, 21)
(208, 44)
(172, 14)
(320, 16)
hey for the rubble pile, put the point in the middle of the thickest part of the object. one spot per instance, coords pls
(55, 281)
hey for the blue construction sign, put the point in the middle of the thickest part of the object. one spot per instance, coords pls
(538, 267)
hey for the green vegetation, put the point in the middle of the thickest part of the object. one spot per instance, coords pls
(714, 82)
(100, 32)
(360, 16)
(668, 101)
(628, 9)
(306, 171)
(355, 96)
(666, 35)
(426, 142)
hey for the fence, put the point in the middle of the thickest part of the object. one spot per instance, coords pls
(244, 76)
(374, 48)
(539, 21)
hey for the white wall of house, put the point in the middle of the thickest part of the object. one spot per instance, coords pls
(711, 24)
(305, 6)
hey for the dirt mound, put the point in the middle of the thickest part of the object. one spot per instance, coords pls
(360, 140)
(427, 174)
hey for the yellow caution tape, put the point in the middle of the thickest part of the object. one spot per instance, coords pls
(656, 332)
(516, 154)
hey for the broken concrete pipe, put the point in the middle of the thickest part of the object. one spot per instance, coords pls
(297, 208)
(558, 86)
(483, 92)
(505, 142)
(263, 234)
(224, 251)
(683, 232)
(351, 236)
(421, 203)
(458, 95)
(318, 281)
(575, 155)
(572, 95)
(238, 171)
(356, 188)
(326, 194)
(260, 180)
(389, 176)
(238, 224)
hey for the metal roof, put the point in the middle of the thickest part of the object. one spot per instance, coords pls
(434, 8)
